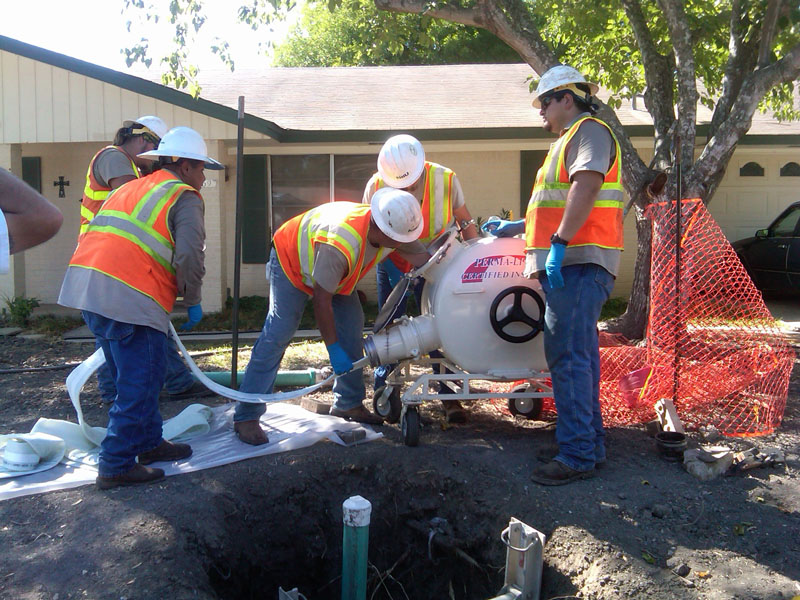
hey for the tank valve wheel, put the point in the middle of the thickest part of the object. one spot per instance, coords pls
(517, 314)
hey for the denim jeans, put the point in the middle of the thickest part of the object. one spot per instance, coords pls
(384, 288)
(573, 357)
(286, 304)
(135, 359)
(179, 377)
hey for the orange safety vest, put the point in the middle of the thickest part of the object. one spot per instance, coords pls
(129, 238)
(343, 225)
(95, 194)
(437, 206)
(603, 227)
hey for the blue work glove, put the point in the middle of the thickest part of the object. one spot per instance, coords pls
(195, 314)
(340, 362)
(552, 265)
(502, 228)
(394, 274)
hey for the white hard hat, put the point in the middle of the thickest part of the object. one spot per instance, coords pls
(563, 77)
(183, 142)
(148, 123)
(397, 214)
(401, 161)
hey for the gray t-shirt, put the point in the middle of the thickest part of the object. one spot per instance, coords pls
(330, 264)
(111, 163)
(591, 149)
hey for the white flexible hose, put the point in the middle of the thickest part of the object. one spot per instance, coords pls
(253, 398)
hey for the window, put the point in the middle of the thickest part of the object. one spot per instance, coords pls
(751, 169)
(32, 172)
(351, 174)
(786, 224)
(298, 184)
(790, 169)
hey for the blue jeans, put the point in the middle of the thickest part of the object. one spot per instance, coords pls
(573, 357)
(135, 359)
(286, 304)
(385, 287)
(179, 377)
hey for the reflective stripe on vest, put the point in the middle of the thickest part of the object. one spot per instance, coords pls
(437, 213)
(343, 225)
(95, 194)
(603, 227)
(130, 241)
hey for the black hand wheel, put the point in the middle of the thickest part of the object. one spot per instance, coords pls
(517, 314)
(387, 404)
(410, 426)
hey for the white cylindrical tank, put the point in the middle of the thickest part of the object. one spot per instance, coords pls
(476, 307)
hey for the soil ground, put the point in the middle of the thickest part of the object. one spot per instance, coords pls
(642, 528)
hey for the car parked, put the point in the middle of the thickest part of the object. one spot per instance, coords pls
(772, 256)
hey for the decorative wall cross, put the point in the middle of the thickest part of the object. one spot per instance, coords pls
(60, 184)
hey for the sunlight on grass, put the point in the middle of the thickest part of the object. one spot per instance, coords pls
(302, 355)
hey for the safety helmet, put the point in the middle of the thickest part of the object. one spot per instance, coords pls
(397, 214)
(147, 124)
(563, 77)
(401, 161)
(183, 142)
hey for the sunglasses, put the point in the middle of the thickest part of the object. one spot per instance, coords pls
(149, 137)
(548, 100)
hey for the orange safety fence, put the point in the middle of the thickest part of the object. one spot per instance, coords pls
(712, 345)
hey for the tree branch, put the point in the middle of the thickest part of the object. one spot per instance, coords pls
(658, 70)
(754, 87)
(681, 37)
(509, 20)
(740, 62)
(768, 32)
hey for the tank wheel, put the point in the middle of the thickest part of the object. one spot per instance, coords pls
(388, 407)
(530, 408)
(410, 426)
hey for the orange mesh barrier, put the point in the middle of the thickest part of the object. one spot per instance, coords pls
(712, 345)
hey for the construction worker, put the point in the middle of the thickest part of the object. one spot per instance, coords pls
(110, 168)
(322, 254)
(27, 218)
(402, 165)
(143, 248)
(573, 240)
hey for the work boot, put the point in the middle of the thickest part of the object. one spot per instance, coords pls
(454, 412)
(196, 390)
(550, 452)
(135, 476)
(359, 414)
(165, 452)
(250, 432)
(557, 473)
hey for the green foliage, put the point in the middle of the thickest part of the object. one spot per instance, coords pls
(54, 326)
(355, 33)
(614, 307)
(18, 310)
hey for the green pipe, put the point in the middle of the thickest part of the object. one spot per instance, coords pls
(283, 378)
(354, 548)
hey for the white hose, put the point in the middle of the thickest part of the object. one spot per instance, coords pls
(253, 398)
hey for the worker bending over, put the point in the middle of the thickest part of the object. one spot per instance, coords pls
(322, 254)
(402, 165)
(144, 247)
(573, 240)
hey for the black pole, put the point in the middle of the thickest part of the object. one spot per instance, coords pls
(237, 244)
(678, 204)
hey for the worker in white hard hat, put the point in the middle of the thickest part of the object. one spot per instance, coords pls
(321, 255)
(111, 167)
(573, 235)
(143, 249)
(402, 165)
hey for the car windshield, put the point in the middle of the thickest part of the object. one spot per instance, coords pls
(785, 225)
